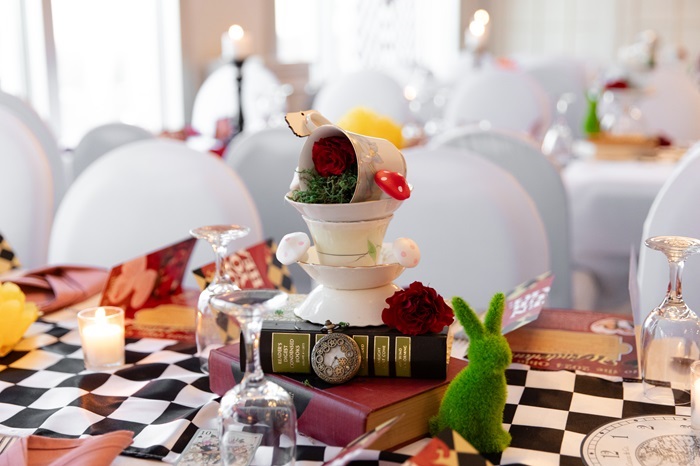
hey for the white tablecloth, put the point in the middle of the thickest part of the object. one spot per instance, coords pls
(609, 202)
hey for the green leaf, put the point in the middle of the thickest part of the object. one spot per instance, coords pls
(372, 250)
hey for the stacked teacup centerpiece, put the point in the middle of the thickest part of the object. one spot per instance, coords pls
(346, 187)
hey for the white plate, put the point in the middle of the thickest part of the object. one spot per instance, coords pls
(350, 278)
(351, 212)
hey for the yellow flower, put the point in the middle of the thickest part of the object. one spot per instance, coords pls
(362, 120)
(16, 315)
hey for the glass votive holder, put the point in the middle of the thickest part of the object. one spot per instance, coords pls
(102, 337)
(695, 395)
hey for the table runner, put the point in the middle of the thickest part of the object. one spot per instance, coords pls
(163, 398)
(160, 394)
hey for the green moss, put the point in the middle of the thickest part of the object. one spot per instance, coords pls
(326, 190)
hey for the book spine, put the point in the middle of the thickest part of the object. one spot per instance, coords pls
(313, 406)
(417, 356)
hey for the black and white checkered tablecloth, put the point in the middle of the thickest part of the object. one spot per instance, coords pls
(163, 398)
(160, 394)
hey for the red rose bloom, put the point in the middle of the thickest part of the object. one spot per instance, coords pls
(332, 155)
(416, 310)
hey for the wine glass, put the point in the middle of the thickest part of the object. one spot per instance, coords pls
(212, 330)
(558, 142)
(671, 332)
(255, 405)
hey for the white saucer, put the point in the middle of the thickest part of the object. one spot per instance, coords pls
(351, 278)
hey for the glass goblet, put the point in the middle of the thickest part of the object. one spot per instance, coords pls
(255, 405)
(212, 330)
(671, 332)
(558, 142)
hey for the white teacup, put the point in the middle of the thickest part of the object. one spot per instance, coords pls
(348, 244)
(372, 154)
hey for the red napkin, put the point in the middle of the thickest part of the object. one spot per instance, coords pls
(55, 287)
(99, 450)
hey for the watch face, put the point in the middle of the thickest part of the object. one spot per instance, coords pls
(644, 440)
(336, 358)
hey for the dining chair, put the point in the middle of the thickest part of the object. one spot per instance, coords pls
(46, 138)
(371, 89)
(102, 139)
(520, 157)
(502, 99)
(560, 75)
(476, 227)
(266, 161)
(673, 213)
(26, 191)
(146, 195)
(671, 105)
(217, 98)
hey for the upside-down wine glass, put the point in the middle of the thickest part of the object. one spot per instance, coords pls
(671, 332)
(213, 330)
(255, 406)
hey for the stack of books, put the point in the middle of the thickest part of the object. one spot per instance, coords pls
(337, 414)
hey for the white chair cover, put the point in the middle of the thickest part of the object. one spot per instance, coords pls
(145, 195)
(45, 137)
(26, 191)
(526, 162)
(367, 88)
(266, 161)
(478, 230)
(559, 75)
(506, 99)
(102, 139)
(217, 98)
(673, 106)
(673, 213)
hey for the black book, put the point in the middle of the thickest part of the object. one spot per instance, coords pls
(286, 342)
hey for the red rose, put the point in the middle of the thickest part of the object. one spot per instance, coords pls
(416, 310)
(332, 155)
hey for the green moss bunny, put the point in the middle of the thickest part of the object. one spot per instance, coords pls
(474, 401)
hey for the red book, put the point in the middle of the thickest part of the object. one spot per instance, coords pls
(337, 414)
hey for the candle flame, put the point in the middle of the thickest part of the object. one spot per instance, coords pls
(100, 314)
(236, 32)
(482, 16)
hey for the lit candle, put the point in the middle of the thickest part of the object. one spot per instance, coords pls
(236, 44)
(102, 337)
(695, 395)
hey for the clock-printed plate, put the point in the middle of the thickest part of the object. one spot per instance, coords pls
(644, 440)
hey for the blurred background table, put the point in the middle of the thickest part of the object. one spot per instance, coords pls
(608, 204)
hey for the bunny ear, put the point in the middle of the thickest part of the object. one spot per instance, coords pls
(494, 317)
(467, 317)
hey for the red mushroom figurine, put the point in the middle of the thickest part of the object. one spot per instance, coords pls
(392, 183)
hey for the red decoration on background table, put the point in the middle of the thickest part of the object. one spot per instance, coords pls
(392, 183)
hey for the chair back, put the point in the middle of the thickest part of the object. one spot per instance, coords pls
(525, 161)
(145, 195)
(478, 231)
(102, 139)
(217, 98)
(45, 137)
(26, 191)
(266, 161)
(367, 88)
(558, 75)
(507, 99)
(672, 107)
(674, 212)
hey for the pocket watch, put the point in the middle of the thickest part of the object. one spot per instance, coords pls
(336, 357)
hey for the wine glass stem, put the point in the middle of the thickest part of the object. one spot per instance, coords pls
(675, 293)
(220, 251)
(253, 370)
